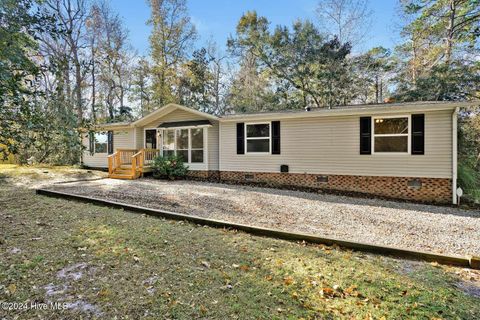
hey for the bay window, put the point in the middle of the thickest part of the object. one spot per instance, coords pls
(257, 137)
(391, 134)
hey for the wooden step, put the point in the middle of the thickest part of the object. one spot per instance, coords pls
(123, 171)
(122, 176)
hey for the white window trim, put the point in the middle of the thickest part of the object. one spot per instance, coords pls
(205, 144)
(95, 145)
(408, 135)
(258, 138)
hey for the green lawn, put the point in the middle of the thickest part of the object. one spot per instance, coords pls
(108, 262)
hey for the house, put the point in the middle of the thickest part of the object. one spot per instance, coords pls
(406, 151)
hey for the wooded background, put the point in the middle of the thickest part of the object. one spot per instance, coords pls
(68, 64)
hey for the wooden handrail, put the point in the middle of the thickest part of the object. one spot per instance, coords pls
(137, 161)
(112, 162)
(139, 157)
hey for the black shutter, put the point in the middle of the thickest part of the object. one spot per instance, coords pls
(110, 142)
(365, 135)
(91, 143)
(418, 134)
(240, 138)
(275, 137)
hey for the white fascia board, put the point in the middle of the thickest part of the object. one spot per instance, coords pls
(351, 111)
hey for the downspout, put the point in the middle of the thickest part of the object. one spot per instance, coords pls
(454, 154)
(219, 147)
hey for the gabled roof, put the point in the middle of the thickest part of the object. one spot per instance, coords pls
(155, 115)
(167, 109)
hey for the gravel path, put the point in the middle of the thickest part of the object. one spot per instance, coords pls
(422, 227)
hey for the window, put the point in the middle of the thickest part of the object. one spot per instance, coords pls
(168, 143)
(391, 135)
(187, 143)
(101, 142)
(182, 144)
(257, 138)
(197, 145)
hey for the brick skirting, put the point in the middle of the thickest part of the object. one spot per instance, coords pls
(204, 175)
(417, 189)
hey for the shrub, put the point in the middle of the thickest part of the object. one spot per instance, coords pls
(170, 167)
(469, 180)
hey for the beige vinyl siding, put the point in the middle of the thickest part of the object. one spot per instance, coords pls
(139, 136)
(181, 115)
(122, 139)
(330, 145)
(213, 146)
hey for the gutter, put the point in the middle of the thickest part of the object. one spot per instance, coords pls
(454, 154)
(365, 110)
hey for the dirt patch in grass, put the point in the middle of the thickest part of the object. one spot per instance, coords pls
(106, 263)
(44, 175)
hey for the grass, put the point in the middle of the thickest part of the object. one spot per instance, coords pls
(111, 263)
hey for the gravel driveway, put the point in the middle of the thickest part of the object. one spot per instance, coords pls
(422, 227)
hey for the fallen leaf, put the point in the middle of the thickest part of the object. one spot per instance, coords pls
(327, 292)
(351, 291)
(244, 267)
(288, 280)
(12, 288)
(203, 310)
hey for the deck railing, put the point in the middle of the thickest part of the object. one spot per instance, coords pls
(113, 162)
(137, 159)
(125, 155)
(149, 155)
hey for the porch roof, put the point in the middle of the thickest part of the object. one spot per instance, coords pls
(178, 124)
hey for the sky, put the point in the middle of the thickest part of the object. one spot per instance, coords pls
(217, 20)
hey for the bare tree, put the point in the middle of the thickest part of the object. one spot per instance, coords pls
(348, 20)
(218, 70)
(114, 56)
(71, 17)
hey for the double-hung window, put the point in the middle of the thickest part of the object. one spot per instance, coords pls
(257, 137)
(168, 145)
(196, 136)
(391, 134)
(100, 142)
(185, 142)
(182, 144)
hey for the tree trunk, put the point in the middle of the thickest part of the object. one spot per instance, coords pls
(381, 90)
(78, 87)
(449, 37)
(94, 116)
